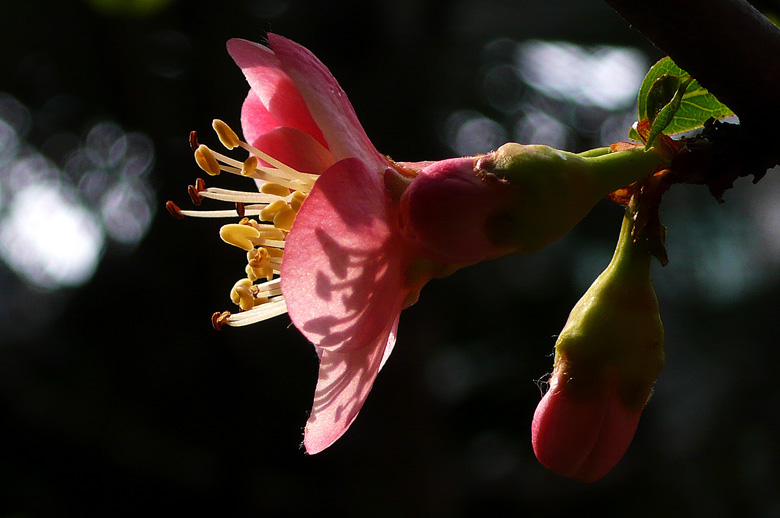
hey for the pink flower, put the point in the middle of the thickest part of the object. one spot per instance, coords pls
(338, 254)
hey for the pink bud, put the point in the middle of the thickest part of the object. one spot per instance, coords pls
(607, 358)
(582, 433)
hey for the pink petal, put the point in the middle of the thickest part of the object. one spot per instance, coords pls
(342, 278)
(273, 88)
(256, 120)
(327, 102)
(344, 383)
(295, 148)
(342, 272)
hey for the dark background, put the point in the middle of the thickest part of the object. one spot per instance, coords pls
(118, 399)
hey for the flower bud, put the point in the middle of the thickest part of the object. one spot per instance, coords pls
(607, 359)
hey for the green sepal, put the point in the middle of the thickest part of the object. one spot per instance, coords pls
(615, 330)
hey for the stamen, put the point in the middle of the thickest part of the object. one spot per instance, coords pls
(257, 257)
(275, 189)
(275, 252)
(215, 193)
(270, 288)
(241, 294)
(206, 160)
(249, 210)
(297, 200)
(250, 166)
(282, 192)
(268, 213)
(261, 227)
(274, 233)
(271, 309)
(281, 166)
(226, 135)
(219, 319)
(239, 235)
(175, 211)
(194, 195)
(284, 218)
(272, 175)
(272, 243)
(271, 160)
(235, 164)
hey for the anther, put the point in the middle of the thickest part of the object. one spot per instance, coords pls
(241, 294)
(219, 319)
(240, 209)
(284, 219)
(226, 135)
(250, 166)
(275, 189)
(258, 257)
(297, 200)
(174, 210)
(200, 184)
(267, 214)
(239, 235)
(206, 160)
(194, 195)
(193, 140)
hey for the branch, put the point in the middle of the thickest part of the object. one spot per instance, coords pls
(727, 45)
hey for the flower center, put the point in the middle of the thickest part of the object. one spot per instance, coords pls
(283, 190)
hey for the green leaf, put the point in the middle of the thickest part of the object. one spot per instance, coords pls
(696, 106)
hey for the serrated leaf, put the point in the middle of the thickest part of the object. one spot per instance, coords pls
(697, 104)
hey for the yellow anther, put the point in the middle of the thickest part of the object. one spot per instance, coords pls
(253, 273)
(239, 235)
(250, 166)
(241, 294)
(275, 189)
(284, 218)
(297, 200)
(267, 214)
(206, 160)
(226, 135)
(258, 257)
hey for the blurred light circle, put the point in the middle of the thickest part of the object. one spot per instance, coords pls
(127, 212)
(49, 239)
(603, 76)
(471, 133)
(105, 145)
